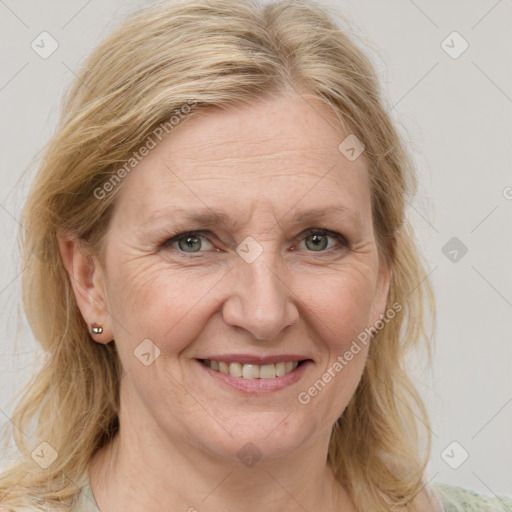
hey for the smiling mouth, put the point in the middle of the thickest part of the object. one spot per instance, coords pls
(252, 371)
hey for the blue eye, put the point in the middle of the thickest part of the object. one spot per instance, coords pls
(185, 241)
(319, 239)
(192, 241)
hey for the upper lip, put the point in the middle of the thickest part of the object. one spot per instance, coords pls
(254, 359)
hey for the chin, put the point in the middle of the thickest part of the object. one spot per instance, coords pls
(272, 436)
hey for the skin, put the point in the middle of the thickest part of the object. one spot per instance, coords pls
(180, 428)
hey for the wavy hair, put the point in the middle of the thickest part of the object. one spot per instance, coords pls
(220, 53)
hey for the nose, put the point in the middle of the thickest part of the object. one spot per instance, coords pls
(260, 299)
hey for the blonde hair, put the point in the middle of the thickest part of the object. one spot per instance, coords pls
(219, 53)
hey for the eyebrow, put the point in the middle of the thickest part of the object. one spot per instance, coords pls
(209, 219)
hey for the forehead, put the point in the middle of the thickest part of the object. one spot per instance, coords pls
(282, 152)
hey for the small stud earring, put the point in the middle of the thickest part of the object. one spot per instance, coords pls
(96, 329)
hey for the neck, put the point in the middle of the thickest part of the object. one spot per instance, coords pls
(139, 471)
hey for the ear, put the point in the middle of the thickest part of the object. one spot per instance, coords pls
(87, 280)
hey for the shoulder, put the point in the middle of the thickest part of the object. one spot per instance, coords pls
(459, 499)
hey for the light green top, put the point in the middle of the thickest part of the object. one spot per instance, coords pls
(453, 498)
(459, 499)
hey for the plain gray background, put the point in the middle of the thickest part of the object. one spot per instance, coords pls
(454, 111)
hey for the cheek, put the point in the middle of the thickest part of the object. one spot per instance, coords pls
(171, 306)
(152, 301)
(340, 303)
(340, 314)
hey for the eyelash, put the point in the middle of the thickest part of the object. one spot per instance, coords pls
(344, 243)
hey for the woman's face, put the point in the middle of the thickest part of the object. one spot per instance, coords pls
(253, 292)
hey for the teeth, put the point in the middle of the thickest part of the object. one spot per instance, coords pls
(267, 371)
(280, 369)
(235, 370)
(252, 371)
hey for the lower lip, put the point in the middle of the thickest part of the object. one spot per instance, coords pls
(258, 385)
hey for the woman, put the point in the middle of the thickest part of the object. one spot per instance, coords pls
(220, 271)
